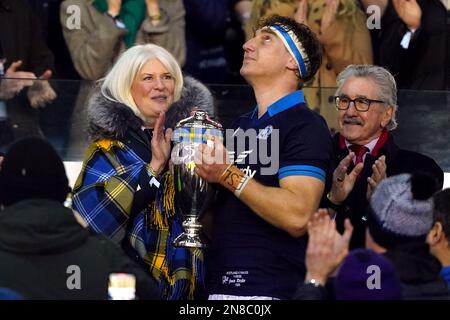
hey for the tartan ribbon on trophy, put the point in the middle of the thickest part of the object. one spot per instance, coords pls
(196, 134)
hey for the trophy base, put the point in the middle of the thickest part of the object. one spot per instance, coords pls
(190, 238)
(188, 241)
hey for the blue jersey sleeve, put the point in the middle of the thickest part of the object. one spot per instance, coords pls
(306, 150)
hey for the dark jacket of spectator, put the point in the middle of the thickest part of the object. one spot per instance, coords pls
(42, 246)
(48, 13)
(422, 65)
(206, 54)
(46, 251)
(417, 269)
(418, 272)
(397, 161)
(21, 39)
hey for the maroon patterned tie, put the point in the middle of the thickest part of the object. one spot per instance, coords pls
(359, 151)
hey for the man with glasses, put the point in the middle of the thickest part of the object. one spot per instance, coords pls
(365, 150)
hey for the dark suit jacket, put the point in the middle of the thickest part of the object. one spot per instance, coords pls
(397, 161)
(21, 39)
(422, 65)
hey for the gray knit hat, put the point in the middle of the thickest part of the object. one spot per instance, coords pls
(401, 209)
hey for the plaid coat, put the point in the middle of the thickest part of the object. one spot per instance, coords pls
(117, 195)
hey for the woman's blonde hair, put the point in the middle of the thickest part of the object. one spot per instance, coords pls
(116, 86)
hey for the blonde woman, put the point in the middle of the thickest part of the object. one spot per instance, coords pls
(340, 26)
(124, 190)
(106, 29)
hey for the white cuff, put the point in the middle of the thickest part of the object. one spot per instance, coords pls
(406, 40)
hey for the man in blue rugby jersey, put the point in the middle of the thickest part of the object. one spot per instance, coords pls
(258, 247)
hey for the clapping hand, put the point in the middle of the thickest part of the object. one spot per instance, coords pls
(329, 14)
(41, 93)
(160, 144)
(409, 11)
(114, 7)
(19, 80)
(343, 183)
(378, 174)
(301, 14)
(326, 247)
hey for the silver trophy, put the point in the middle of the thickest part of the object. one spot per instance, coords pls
(192, 193)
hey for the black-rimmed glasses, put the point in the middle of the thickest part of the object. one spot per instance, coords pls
(361, 104)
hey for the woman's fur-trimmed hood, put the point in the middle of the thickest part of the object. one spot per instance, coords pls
(110, 120)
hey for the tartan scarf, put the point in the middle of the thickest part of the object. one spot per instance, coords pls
(186, 269)
(103, 195)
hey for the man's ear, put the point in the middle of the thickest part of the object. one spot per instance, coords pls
(387, 116)
(291, 64)
(435, 234)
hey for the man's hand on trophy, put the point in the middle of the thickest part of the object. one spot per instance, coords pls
(211, 160)
(160, 144)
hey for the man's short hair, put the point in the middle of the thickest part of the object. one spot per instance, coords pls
(387, 87)
(307, 38)
(441, 212)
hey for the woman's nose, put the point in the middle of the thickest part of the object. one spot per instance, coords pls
(159, 84)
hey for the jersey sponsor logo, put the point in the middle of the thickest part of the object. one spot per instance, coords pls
(240, 158)
(265, 133)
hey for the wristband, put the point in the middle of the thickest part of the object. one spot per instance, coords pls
(155, 17)
(234, 180)
(117, 21)
(152, 171)
(314, 282)
(332, 205)
(154, 176)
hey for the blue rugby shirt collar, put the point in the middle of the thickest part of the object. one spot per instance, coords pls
(280, 105)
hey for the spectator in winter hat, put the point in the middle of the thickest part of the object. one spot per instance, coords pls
(399, 218)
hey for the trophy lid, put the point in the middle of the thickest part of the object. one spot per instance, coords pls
(198, 118)
(196, 128)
